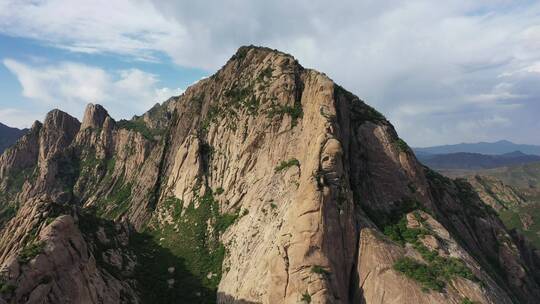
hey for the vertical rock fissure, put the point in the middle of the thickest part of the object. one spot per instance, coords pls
(156, 194)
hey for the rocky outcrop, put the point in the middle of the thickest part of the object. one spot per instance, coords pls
(495, 193)
(264, 183)
(94, 117)
(63, 271)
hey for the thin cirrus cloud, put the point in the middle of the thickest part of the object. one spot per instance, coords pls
(459, 63)
(73, 85)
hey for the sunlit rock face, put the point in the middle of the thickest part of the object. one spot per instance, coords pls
(264, 183)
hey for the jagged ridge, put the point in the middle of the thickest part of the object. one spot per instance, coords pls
(264, 183)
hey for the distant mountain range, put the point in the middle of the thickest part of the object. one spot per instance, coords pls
(474, 161)
(494, 148)
(8, 136)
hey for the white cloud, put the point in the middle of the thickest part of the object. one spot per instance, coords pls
(70, 86)
(436, 57)
(123, 27)
(18, 118)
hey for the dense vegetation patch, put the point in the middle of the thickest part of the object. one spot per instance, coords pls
(193, 239)
(156, 265)
(402, 234)
(384, 218)
(437, 270)
(419, 272)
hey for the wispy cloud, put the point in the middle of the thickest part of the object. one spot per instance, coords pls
(70, 86)
(436, 57)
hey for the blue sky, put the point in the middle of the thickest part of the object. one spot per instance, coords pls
(164, 76)
(442, 72)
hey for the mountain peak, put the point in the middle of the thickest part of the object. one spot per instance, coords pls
(94, 116)
(58, 118)
(251, 54)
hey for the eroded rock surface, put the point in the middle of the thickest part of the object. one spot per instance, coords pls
(264, 183)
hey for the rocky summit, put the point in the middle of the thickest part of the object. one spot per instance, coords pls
(264, 183)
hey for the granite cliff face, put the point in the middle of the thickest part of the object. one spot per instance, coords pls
(264, 183)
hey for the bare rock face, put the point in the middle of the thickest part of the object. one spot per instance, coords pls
(94, 116)
(264, 183)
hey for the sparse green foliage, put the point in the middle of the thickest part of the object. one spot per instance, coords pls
(402, 145)
(16, 178)
(373, 115)
(226, 220)
(175, 205)
(219, 191)
(117, 201)
(287, 164)
(6, 288)
(295, 112)
(111, 164)
(138, 125)
(306, 297)
(318, 269)
(473, 205)
(467, 301)
(266, 73)
(242, 98)
(237, 99)
(88, 162)
(241, 54)
(30, 251)
(412, 187)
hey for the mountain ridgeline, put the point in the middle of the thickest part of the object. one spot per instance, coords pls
(489, 148)
(8, 136)
(264, 183)
(475, 161)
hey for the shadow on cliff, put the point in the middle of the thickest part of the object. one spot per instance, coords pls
(161, 276)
